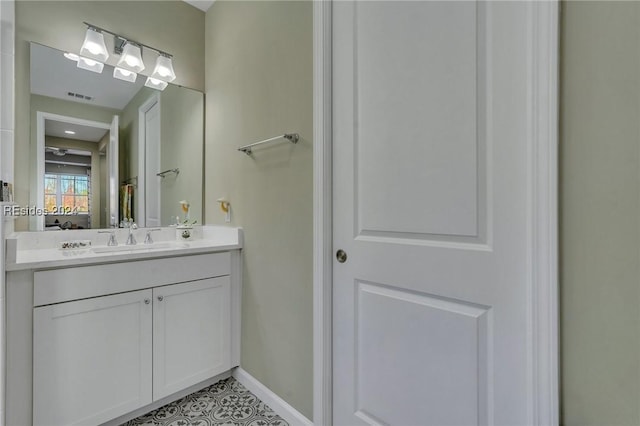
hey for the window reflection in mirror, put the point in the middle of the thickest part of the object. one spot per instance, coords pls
(66, 193)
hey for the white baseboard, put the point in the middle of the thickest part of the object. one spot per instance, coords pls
(277, 404)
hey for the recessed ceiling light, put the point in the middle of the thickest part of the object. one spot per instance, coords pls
(70, 132)
(71, 56)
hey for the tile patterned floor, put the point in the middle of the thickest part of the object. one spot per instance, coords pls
(224, 403)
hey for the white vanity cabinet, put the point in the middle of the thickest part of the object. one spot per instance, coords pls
(191, 327)
(92, 359)
(109, 340)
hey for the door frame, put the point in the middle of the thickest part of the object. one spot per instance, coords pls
(36, 223)
(542, 213)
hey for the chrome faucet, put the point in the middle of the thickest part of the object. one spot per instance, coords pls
(148, 239)
(131, 240)
(112, 237)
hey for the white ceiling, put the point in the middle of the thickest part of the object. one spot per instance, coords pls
(83, 133)
(203, 5)
(55, 76)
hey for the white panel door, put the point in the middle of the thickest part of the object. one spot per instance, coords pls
(92, 359)
(431, 320)
(191, 333)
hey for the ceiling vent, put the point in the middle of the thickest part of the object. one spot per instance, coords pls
(80, 96)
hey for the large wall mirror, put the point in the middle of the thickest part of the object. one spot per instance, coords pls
(106, 150)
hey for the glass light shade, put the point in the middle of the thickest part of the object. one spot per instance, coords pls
(156, 84)
(90, 65)
(131, 58)
(71, 56)
(164, 69)
(126, 75)
(94, 47)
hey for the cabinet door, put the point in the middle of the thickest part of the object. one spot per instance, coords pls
(191, 333)
(92, 359)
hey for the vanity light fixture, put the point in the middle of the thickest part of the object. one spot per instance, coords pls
(164, 69)
(131, 58)
(126, 75)
(93, 55)
(93, 46)
(154, 83)
(71, 56)
(90, 64)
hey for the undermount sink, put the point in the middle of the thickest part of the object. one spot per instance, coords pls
(154, 246)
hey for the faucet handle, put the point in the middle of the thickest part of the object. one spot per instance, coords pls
(148, 239)
(112, 237)
(131, 240)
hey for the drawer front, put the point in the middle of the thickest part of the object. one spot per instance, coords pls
(61, 285)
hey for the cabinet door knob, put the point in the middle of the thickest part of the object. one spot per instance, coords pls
(160, 298)
(147, 301)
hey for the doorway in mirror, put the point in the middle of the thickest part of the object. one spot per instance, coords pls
(73, 158)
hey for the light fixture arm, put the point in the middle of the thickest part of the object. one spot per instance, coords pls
(120, 41)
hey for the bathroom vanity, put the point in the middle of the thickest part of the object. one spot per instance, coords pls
(101, 334)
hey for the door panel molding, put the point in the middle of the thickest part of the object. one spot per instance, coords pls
(542, 212)
(460, 79)
(387, 323)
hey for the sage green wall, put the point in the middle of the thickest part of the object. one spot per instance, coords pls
(600, 213)
(182, 135)
(172, 25)
(259, 83)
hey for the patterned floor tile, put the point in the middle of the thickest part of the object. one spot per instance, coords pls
(224, 403)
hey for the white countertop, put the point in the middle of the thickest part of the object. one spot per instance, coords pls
(41, 250)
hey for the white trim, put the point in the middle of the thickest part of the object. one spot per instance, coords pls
(113, 165)
(37, 221)
(322, 214)
(277, 404)
(543, 211)
(7, 102)
(141, 211)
